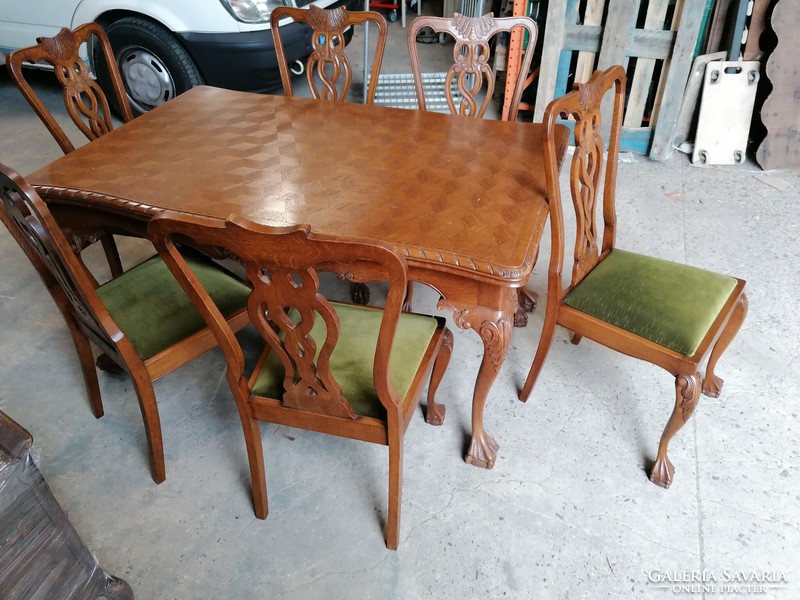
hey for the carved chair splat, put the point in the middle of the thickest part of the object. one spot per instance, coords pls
(342, 369)
(471, 72)
(146, 338)
(669, 314)
(84, 100)
(327, 69)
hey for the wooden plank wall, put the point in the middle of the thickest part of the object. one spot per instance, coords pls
(781, 111)
(616, 41)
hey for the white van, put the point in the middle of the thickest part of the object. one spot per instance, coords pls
(165, 47)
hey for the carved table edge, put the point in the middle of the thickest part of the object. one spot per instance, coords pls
(460, 263)
(80, 196)
(448, 260)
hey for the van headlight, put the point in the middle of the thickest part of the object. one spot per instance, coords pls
(251, 11)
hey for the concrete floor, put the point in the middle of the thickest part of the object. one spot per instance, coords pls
(566, 513)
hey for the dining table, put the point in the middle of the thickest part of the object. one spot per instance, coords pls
(462, 199)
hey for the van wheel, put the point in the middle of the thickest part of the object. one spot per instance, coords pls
(154, 66)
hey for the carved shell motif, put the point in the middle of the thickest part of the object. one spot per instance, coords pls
(327, 20)
(470, 68)
(328, 64)
(473, 28)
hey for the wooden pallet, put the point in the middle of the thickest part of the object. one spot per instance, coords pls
(577, 42)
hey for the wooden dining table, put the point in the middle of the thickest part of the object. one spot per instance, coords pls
(462, 199)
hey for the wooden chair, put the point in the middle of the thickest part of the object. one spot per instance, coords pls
(344, 369)
(85, 101)
(669, 314)
(469, 83)
(141, 320)
(328, 71)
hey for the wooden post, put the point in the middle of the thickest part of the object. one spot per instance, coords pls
(551, 51)
(514, 58)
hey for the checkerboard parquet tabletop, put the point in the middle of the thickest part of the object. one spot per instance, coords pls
(462, 193)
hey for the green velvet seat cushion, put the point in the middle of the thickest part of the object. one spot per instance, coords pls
(353, 357)
(671, 304)
(154, 312)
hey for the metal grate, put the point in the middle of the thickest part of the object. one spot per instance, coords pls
(397, 90)
(472, 8)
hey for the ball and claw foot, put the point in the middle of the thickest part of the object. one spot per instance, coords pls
(434, 414)
(712, 386)
(482, 451)
(359, 292)
(662, 473)
(527, 304)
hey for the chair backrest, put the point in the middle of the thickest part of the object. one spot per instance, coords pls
(282, 264)
(470, 81)
(84, 99)
(586, 174)
(328, 70)
(29, 221)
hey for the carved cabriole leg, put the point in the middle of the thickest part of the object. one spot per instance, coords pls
(527, 302)
(687, 388)
(494, 327)
(712, 385)
(434, 413)
(80, 238)
(359, 292)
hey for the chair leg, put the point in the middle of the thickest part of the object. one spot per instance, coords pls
(84, 349)
(112, 254)
(548, 331)
(712, 385)
(255, 456)
(687, 388)
(576, 338)
(395, 487)
(255, 452)
(526, 302)
(434, 413)
(152, 422)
